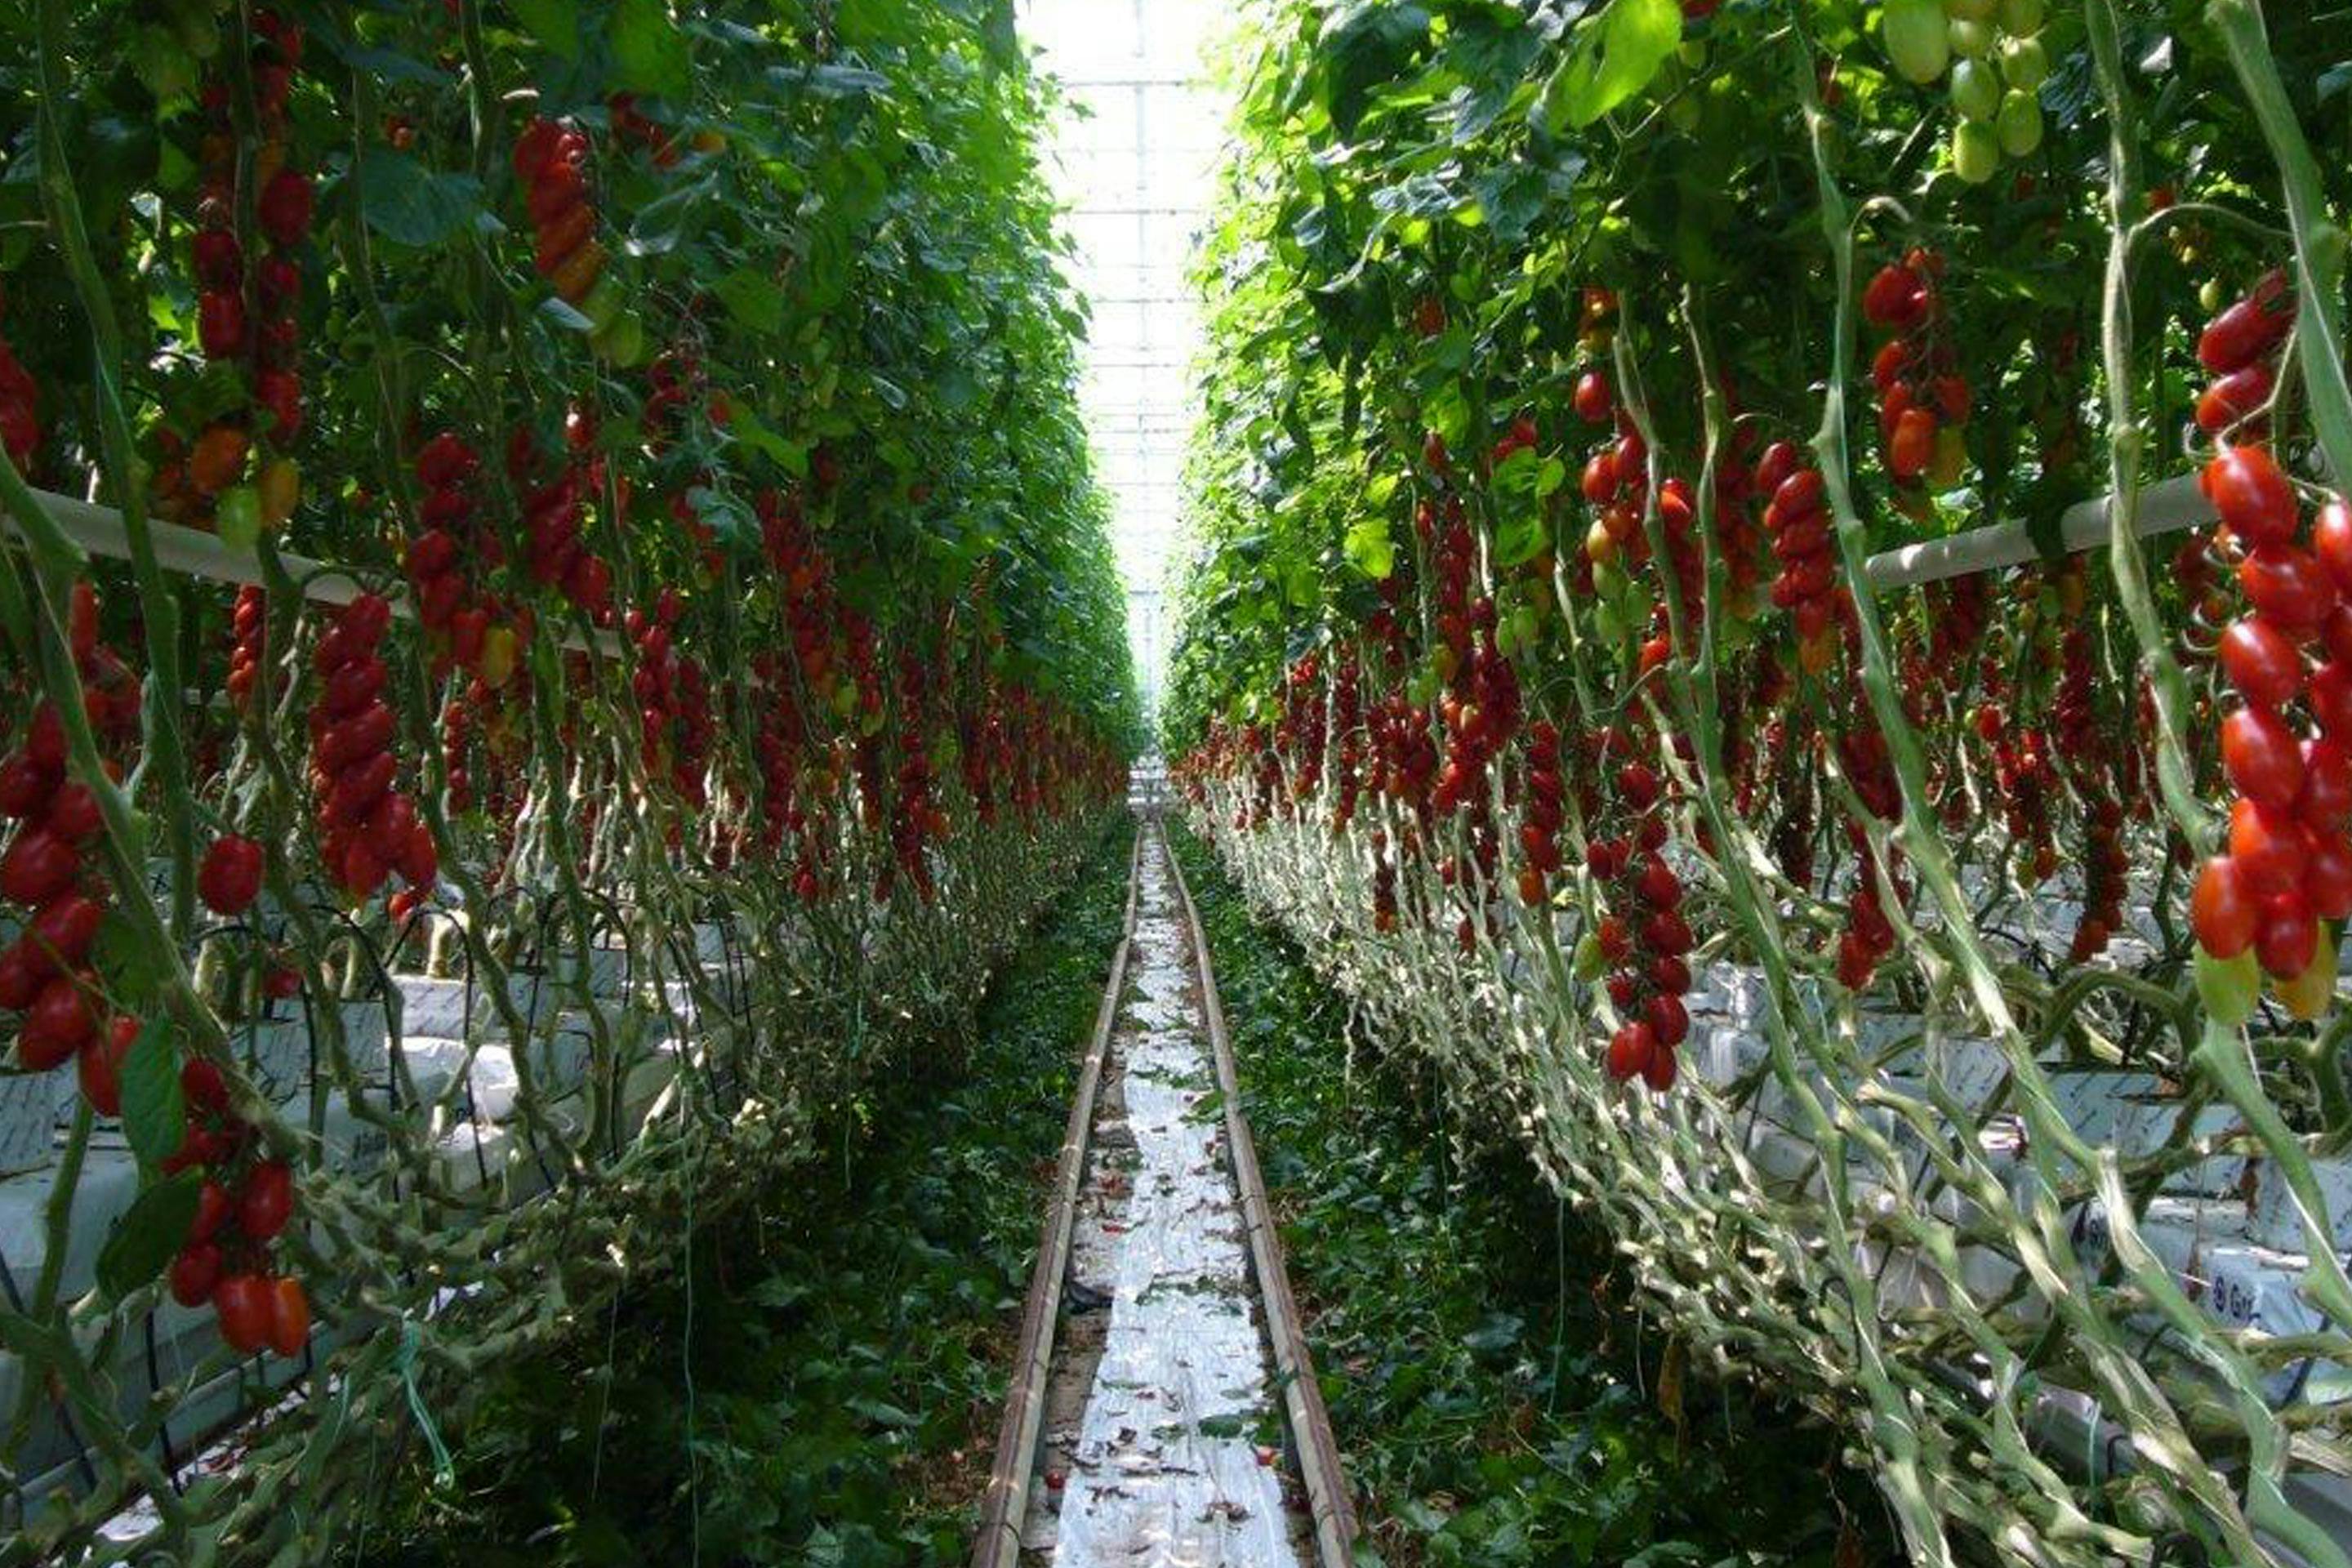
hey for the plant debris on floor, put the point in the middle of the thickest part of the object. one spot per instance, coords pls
(821, 1386)
(1498, 1398)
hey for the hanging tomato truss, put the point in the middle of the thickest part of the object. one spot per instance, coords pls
(1769, 595)
(557, 620)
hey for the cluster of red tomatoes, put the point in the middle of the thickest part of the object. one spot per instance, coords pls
(1545, 806)
(673, 701)
(367, 827)
(553, 516)
(915, 819)
(1616, 479)
(1347, 718)
(1301, 732)
(248, 644)
(46, 973)
(1648, 971)
(242, 1208)
(250, 320)
(2289, 862)
(1797, 517)
(458, 624)
(1923, 399)
(20, 411)
(551, 158)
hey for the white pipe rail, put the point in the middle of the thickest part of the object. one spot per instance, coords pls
(2164, 507)
(192, 552)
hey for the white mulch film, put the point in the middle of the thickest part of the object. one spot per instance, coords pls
(1148, 1486)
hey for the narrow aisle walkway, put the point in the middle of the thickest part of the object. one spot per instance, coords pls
(1161, 1412)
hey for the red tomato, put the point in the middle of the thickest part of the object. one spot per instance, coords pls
(2326, 800)
(1895, 297)
(2286, 583)
(266, 1201)
(212, 1211)
(1670, 975)
(2261, 662)
(2233, 397)
(229, 879)
(2330, 696)
(2268, 847)
(1600, 481)
(2327, 876)
(1659, 1074)
(2253, 496)
(2286, 936)
(22, 971)
(61, 1012)
(1913, 447)
(2264, 758)
(1593, 402)
(1630, 1050)
(1666, 932)
(2331, 541)
(2249, 328)
(39, 1048)
(38, 866)
(289, 1317)
(1669, 1021)
(202, 1086)
(242, 1302)
(73, 813)
(195, 1273)
(24, 786)
(61, 935)
(100, 1067)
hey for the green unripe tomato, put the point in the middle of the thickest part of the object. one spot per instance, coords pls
(1918, 40)
(2024, 64)
(1976, 91)
(237, 517)
(2209, 295)
(1693, 53)
(1976, 152)
(1970, 10)
(2021, 16)
(1525, 626)
(621, 341)
(1589, 965)
(2229, 986)
(1685, 113)
(1970, 40)
(605, 302)
(2019, 125)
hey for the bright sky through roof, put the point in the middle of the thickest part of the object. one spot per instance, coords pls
(1136, 173)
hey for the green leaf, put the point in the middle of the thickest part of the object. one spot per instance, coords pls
(1551, 477)
(410, 204)
(755, 301)
(1370, 48)
(649, 54)
(147, 1234)
(881, 1413)
(152, 1116)
(564, 315)
(1368, 548)
(1613, 57)
(554, 23)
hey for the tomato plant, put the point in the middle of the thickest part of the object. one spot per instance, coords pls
(1822, 383)
(582, 491)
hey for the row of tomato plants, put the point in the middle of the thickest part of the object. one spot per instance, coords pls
(1532, 585)
(649, 443)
